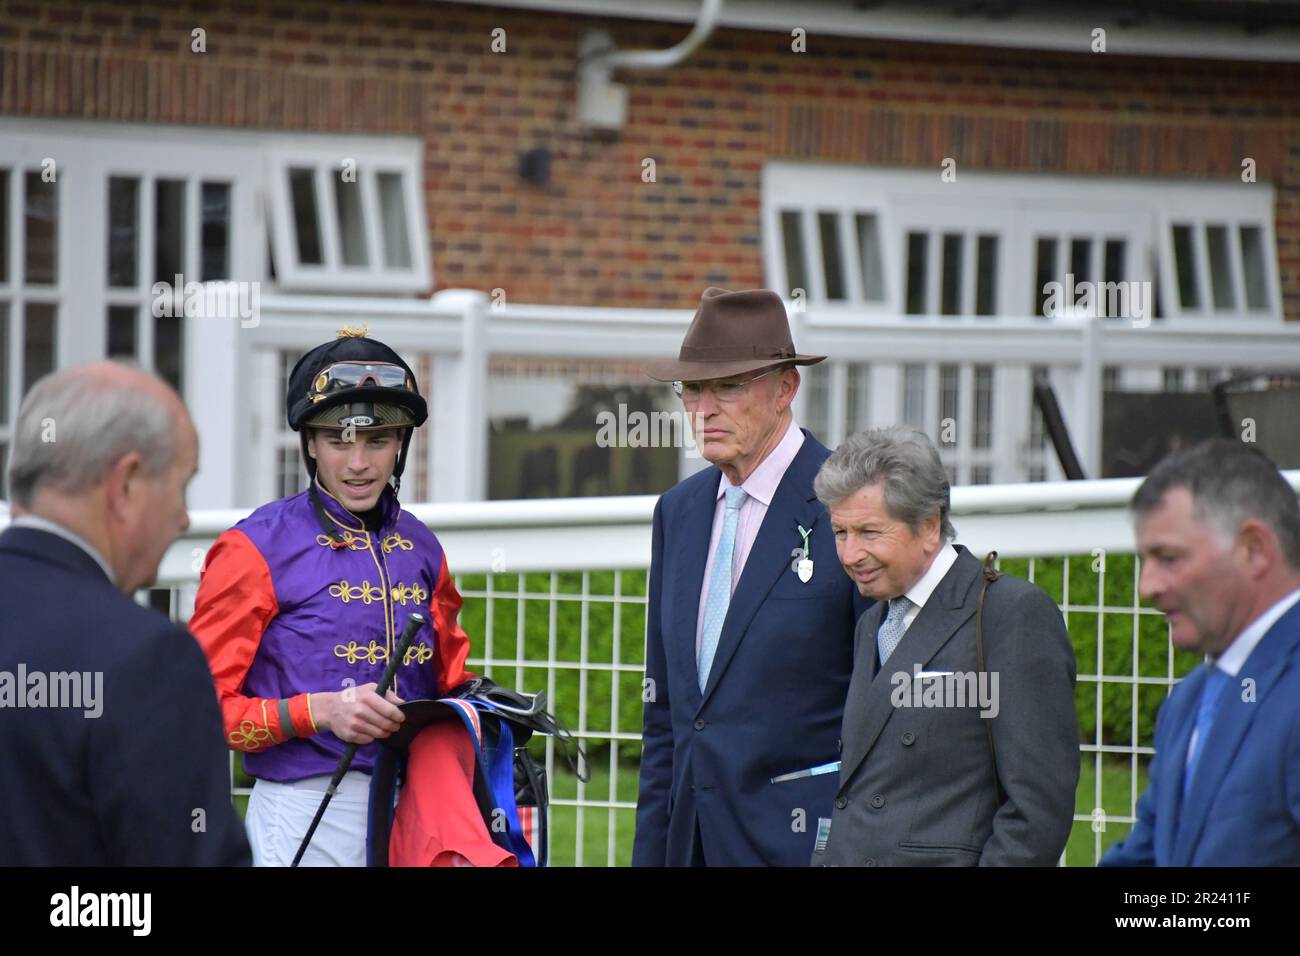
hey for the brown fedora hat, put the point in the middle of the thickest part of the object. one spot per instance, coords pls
(732, 333)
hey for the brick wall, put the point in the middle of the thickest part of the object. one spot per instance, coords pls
(598, 235)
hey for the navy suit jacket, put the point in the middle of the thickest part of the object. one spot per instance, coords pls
(775, 696)
(1244, 805)
(126, 787)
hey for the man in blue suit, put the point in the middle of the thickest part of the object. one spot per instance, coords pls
(1218, 532)
(111, 745)
(749, 628)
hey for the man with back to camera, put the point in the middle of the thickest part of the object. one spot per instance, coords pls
(1218, 534)
(133, 774)
(958, 750)
(749, 624)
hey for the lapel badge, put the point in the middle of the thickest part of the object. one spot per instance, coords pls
(805, 566)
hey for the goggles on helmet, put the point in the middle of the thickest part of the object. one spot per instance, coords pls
(347, 375)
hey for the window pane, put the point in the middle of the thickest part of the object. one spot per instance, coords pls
(983, 408)
(4, 361)
(916, 268)
(121, 331)
(1252, 267)
(540, 438)
(4, 471)
(1114, 260)
(1037, 430)
(817, 408)
(168, 344)
(952, 252)
(1185, 267)
(306, 223)
(123, 231)
(1216, 241)
(1157, 304)
(828, 228)
(1113, 264)
(870, 258)
(986, 276)
(1081, 260)
(949, 377)
(40, 344)
(980, 475)
(392, 202)
(169, 230)
(914, 394)
(4, 225)
(292, 477)
(857, 412)
(796, 271)
(352, 232)
(41, 212)
(214, 235)
(1044, 272)
(1173, 379)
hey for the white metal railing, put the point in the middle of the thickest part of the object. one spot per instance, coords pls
(460, 332)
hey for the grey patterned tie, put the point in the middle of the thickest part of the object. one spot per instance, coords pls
(891, 632)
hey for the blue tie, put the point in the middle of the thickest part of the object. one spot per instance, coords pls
(719, 596)
(891, 632)
(1211, 695)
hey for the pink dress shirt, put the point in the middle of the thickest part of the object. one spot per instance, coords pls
(760, 486)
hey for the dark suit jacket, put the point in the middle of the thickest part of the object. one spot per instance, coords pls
(775, 693)
(1244, 805)
(916, 787)
(122, 788)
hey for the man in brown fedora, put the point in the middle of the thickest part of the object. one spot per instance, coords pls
(749, 628)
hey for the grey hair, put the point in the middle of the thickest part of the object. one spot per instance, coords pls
(1229, 482)
(73, 425)
(905, 461)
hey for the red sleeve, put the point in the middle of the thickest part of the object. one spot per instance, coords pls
(453, 643)
(236, 601)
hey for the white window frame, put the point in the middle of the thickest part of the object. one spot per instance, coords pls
(1233, 206)
(1012, 206)
(326, 158)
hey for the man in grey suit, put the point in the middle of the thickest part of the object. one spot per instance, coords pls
(953, 754)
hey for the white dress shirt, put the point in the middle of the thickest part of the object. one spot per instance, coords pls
(920, 592)
(1232, 659)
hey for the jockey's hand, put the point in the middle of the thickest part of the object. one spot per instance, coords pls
(357, 715)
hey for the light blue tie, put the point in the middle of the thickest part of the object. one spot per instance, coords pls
(719, 596)
(891, 632)
(1211, 695)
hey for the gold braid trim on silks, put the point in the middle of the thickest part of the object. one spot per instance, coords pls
(418, 654)
(402, 593)
(249, 736)
(353, 652)
(349, 332)
(374, 653)
(395, 541)
(365, 592)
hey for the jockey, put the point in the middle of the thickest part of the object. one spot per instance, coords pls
(300, 604)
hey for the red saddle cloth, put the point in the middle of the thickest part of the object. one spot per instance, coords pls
(437, 821)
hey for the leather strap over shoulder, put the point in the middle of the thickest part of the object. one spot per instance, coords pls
(991, 574)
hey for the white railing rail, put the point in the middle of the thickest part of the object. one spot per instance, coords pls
(570, 534)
